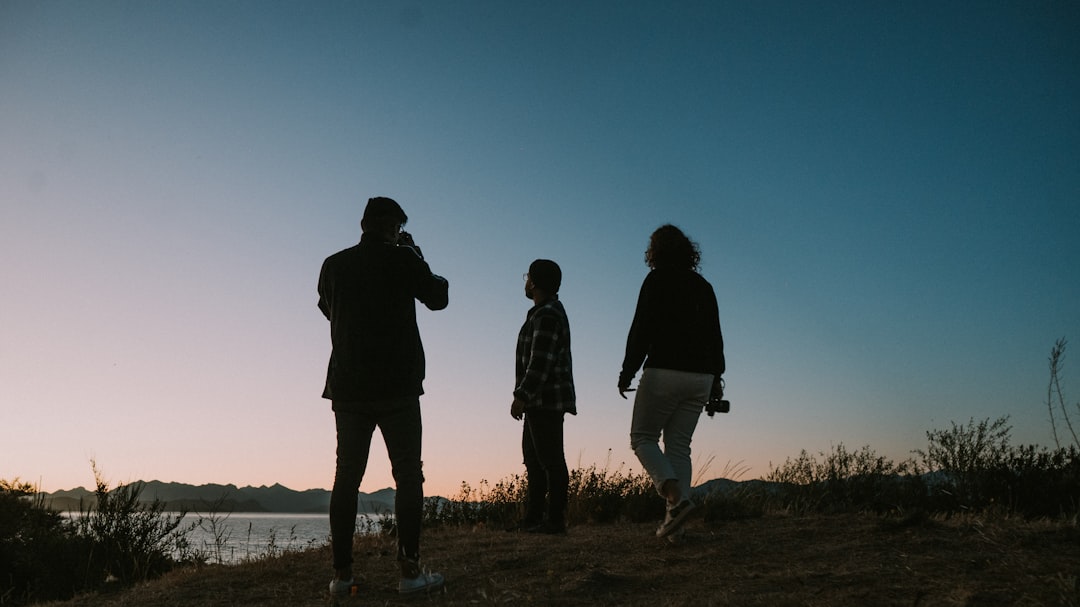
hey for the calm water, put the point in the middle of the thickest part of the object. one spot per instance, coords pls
(250, 535)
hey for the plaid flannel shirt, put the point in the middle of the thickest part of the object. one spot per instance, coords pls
(544, 370)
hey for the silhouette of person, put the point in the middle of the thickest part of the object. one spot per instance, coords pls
(375, 379)
(676, 335)
(544, 394)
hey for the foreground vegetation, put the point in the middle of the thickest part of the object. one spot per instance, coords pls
(844, 527)
(968, 480)
(775, 560)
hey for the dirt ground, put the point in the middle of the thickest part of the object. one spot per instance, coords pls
(774, 560)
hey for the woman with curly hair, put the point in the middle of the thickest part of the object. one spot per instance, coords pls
(676, 336)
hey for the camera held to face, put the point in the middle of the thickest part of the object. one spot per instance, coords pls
(405, 239)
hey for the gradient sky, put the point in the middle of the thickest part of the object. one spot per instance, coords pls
(886, 194)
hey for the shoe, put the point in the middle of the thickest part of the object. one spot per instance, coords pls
(414, 580)
(675, 518)
(548, 528)
(341, 588)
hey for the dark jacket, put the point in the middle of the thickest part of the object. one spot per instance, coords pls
(544, 369)
(676, 326)
(367, 292)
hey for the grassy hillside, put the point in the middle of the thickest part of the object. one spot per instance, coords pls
(974, 520)
(773, 560)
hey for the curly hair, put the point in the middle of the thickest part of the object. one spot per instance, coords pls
(669, 247)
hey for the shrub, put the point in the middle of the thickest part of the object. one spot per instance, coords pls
(600, 496)
(37, 549)
(846, 481)
(1042, 482)
(498, 505)
(966, 462)
(129, 540)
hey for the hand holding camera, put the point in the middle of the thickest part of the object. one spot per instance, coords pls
(716, 403)
(405, 239)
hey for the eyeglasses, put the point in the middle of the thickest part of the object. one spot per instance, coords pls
(525, 277)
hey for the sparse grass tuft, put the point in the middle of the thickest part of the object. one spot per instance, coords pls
(596, 495)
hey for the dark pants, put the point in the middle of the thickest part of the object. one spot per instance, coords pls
(399, 422)
(545, 466)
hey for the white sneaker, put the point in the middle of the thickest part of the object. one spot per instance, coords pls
(425, 582)
(343, 587)
(675, 518)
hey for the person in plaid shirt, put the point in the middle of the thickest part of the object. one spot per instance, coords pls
(543, 396)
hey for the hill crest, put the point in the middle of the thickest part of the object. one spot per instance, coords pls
(226, 498)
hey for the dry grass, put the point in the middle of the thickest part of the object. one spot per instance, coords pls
(773, 560)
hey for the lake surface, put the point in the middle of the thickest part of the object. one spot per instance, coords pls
(241, 536)
(250, 535)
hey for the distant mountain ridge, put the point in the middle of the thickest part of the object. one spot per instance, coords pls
(280, 499)
(227, 498)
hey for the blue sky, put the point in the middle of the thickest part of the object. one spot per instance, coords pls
(885, 194)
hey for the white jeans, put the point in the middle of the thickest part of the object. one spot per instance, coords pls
(668, 402)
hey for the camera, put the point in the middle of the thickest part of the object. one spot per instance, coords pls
(405, 239)
(717, 405)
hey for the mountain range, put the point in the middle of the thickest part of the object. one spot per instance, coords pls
(206, 499)
(226, 498)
